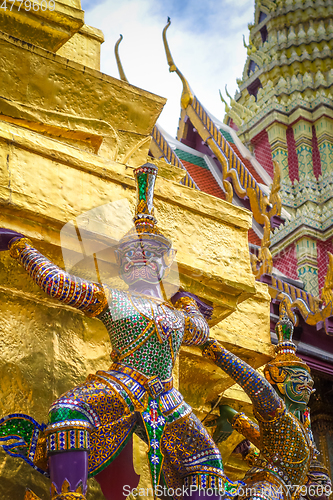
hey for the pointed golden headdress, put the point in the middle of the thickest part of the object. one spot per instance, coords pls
(285, 348)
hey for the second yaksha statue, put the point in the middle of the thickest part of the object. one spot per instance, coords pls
(90, 425)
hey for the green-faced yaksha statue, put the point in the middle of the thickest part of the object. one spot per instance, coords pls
(283, 433)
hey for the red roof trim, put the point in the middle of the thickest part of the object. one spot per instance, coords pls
(204, 179)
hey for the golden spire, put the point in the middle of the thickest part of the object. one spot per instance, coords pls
(239, 108)
(226, 91)
(232, 113)
(120, 67)
(187, 96)
(251, 49)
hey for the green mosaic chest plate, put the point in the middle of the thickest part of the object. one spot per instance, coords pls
(145, 335)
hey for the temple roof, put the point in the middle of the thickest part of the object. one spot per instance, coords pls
(218, 163)
(221, 165)
(205, 174)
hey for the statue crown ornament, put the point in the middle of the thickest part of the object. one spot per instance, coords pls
(287, 372)
(285, 350)
(144, 253)
(145, 223)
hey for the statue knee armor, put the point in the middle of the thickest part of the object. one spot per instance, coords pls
(67, 430)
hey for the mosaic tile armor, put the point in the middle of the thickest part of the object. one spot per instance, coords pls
(101, 414)
(95, 420)
(145, 333)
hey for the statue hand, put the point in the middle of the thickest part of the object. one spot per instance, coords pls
(223, 424)
(6, 235)
(204, 308)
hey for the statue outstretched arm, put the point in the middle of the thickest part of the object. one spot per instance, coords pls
(85, 295)
(265, 400)
(196, 327)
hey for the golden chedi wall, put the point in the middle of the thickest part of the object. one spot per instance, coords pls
(69, 139)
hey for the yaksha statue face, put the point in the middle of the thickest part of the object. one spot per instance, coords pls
(293, 383)
(287, 372)
(298, 384)
(144, 260)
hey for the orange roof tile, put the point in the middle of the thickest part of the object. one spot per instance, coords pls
(253, 237)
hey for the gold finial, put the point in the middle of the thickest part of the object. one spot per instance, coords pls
(232, 113)
(227, 109)
(228, 95)
(187, 96)
(249, 47)
(326, 293)
(274, 197)
(236, 111)
(120, 67)
(286, 308)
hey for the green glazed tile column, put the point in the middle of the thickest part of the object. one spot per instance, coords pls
(307, 264)
(324, 131)
(303, 138)
(278, 141)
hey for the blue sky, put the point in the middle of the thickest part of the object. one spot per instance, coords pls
(205, 39)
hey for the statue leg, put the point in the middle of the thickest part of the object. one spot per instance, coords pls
(118, 474)
(194, 457)
(91, 420)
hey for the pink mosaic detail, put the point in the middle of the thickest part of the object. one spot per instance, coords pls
(232, 124)
(263, 153)
(286, 262)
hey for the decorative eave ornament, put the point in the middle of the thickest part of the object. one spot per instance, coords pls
(119, 65)
(187, 96)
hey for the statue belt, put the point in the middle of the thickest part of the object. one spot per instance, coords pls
(154, 385)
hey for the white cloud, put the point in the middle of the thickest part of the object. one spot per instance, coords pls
(206, 46)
